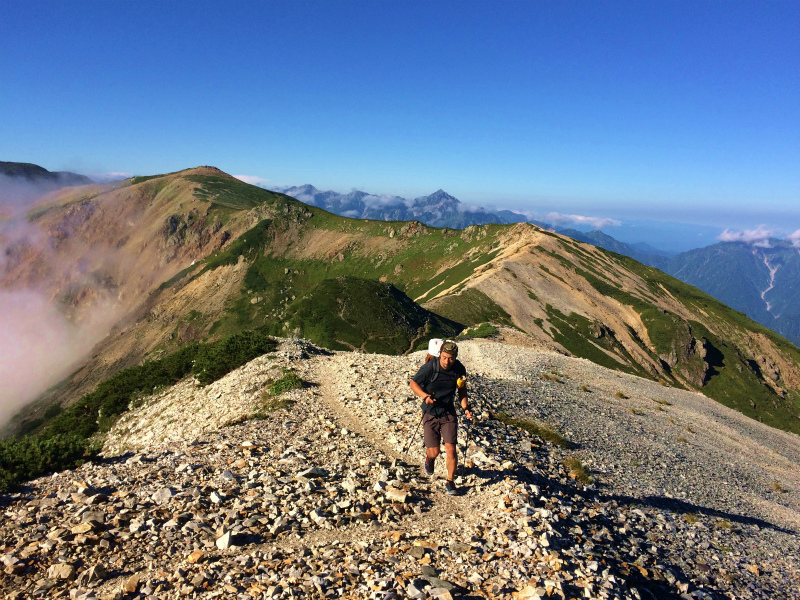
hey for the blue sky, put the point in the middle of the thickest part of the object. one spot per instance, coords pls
(678, 111)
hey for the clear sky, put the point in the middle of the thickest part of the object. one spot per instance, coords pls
(679, 110)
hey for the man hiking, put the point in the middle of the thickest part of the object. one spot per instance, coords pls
(437, 383)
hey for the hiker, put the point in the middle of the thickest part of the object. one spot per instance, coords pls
(438, 382)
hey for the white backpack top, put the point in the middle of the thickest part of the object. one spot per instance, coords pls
(434, 346)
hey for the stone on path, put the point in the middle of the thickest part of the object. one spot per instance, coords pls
(225, 541)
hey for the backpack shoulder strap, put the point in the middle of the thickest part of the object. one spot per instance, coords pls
(435, 369)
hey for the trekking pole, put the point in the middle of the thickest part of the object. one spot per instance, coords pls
(466, 443)
(466, 438)
(413, 435)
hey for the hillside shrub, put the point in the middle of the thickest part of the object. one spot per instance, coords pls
(216, 359)
(24, 458)
(97, 411)
(347, 313)
(290, 381)
(484, 330)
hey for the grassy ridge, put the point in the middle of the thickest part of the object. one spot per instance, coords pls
(733, 378)
(349, 313)
(721, 365)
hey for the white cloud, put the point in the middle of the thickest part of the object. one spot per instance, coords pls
(471, 208)
(758, 237)
(555, 218)
(253, 180)
(373, 201)
(794, 238)
(110, 176)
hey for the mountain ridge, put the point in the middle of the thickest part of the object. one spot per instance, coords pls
(36, 174)
(230, 256)
(443, 210)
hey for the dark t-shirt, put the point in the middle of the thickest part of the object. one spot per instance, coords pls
(443, 387)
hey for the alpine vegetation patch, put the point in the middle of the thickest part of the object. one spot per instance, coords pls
(483, 330)
(576, 470)
(290, 381)
(540, 430)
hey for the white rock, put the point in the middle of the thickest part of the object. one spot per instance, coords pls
(224, 542)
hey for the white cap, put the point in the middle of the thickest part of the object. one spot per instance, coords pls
(434, 346)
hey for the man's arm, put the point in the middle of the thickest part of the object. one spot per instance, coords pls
(420, 393)
(462, 395)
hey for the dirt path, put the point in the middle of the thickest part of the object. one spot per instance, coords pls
(443, 507)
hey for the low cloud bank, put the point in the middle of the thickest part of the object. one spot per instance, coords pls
(39, 347)
(758, 237)
(555, 218)
(253, 180)
(111, 176)
(384, 201)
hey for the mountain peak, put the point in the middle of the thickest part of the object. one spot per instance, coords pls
(437, 197)
(440, 193)
(306, 188)
(205, 170)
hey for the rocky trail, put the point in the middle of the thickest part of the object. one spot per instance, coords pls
(196, 498)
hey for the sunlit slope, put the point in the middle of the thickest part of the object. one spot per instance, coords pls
(113, 244)
(585, 300)
(224, 256)
(619, 313)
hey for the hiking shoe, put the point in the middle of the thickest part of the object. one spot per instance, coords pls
(429, 464)
(450, 487)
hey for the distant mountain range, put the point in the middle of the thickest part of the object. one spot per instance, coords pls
(763, 283)
(440, 209)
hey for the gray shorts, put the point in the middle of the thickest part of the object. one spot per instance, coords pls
(436, 430)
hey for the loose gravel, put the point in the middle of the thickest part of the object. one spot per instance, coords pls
(196, 497)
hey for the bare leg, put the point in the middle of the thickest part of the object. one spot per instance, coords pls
(452, 460)
(432, 453)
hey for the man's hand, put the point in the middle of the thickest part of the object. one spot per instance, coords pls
(429, 400)
(468, 413)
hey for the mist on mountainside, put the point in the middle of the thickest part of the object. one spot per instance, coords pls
(40, 346)
(39, 342)
(17, 194)
(21, 184)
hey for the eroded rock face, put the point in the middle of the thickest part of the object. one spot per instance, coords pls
(686, 356)
(693, 367)
(769, 369)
